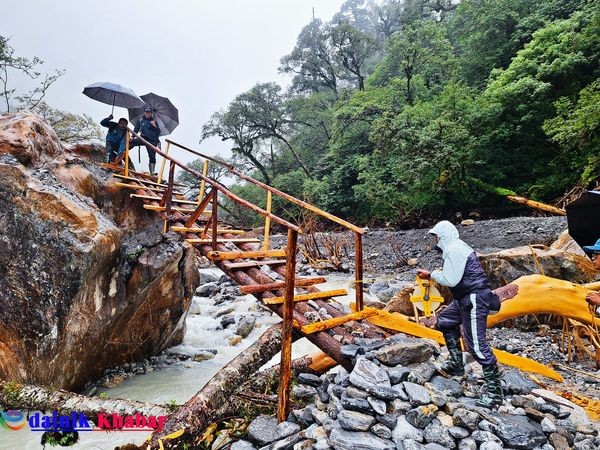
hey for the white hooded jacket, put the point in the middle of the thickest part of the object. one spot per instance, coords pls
(455, 254)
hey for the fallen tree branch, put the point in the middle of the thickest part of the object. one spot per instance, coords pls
(38, 398)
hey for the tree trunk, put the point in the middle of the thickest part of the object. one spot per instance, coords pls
(198, 412)
(35, 398)
(296, 156)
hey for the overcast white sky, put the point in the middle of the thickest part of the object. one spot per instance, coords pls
(199, 53)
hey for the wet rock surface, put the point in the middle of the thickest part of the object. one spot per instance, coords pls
(526, 420)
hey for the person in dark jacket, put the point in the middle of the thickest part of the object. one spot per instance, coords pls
(115, 138)
(593, 298)
(150, 131)
(473, 300)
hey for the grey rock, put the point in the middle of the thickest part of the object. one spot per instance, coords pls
(323, 444)
(421, 373)
(404, 430)
(303, 391)
(398, 406)
(436, 433)
(458, 432)
(559, 442)
(366, 374)
(552, 409)
(341, 439)
(355, 392)
(207, 289)
(467, 444)
(586, 444)
(491, 446)
(334, 407)
(398, 374)
(547, 425)
(341, 378)
(447, 386)
(285, 429)
(586, 429)
(407, 352)
(485, 436)
(227, 320)
(245, 326)
(387, 294)
(465, 418)
(421, 416)
(356, 404)
(434, 446)
(351, 350)
(486, 426)
(306, 444)
(521, 401)
(516, 383)
(378, 405)
(378, 286)
(381, 431)
(438, 398)
(417, 394)
(399, 388)
(389, 420)
(409, 444)
(287, 443)
(242, 445)
(207, 277)
(383, 392)
(355, 421)
(519, 432)
(309, 378)
(263, 429)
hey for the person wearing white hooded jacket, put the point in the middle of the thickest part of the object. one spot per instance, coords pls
(473, 300)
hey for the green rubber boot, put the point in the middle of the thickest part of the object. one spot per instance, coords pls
(494, 396)
(454, 366)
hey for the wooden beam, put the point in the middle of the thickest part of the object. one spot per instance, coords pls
(200, 230)
(220, 256)
(222, 240)
(181, 210)
(300, 282)
(140, 186)
(304, 297)
(152, 197)
(285, 372)
(336, 321)
(246, 264)
(142, 180)
(198, 212)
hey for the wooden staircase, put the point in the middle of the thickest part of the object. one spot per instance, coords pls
(244, 258)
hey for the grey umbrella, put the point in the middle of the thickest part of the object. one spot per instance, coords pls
(113, 94)
(163, 111)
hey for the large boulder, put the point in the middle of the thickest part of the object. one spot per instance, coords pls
(87, 280)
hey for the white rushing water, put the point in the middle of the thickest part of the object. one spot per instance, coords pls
(181, 381)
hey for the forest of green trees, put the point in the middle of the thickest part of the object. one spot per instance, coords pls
(396, 109)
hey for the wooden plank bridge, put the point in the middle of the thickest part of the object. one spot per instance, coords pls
(244, 258)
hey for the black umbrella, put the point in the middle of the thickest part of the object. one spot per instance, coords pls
(113, 94)
(583, 216)
(163, 111)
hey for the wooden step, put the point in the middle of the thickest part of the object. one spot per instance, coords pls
(223, 240)
(304, 297)
(140, 180)
(220, 256)
(201, 230)
(247, 264)
(141, 176)
(181, 210)
(336, 321)
(174, 200)
(300, 282)
(139, 186)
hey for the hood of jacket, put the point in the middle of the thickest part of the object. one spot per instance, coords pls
(446, 232)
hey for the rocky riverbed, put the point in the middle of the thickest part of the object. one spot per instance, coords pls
(394, 400)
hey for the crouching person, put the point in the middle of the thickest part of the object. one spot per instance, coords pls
(473, 300)
(115, 137)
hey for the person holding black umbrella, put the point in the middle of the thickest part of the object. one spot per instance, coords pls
(593, 298)
(150, 131)
(115, 137)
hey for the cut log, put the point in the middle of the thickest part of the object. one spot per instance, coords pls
(220, 256)
(257, 289)
(222, 240)
(327, 324)
(155, 198)
(201, 230)
(247, 264)
(305, 297)
(37, 398)
(139, 186)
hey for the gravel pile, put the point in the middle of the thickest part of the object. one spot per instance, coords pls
(393, 399)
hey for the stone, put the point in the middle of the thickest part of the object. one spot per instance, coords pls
(356, 404)
(404, 430)
(234, 340)
(447, 386)
(323, 444)
(481, 436)
(438, 398)
(559, 442)
(421, 417)
(467, 222)
(302, 391)
(445, 419)
(417, 394)
(585, 444)
(287, 443)
(378, 405)
(354, 392)
(547, 425)
(407, 352)
(226, 321)
(519, 432)
(398, 374)
(208, 290)
(409, 444)
(285, 429)
(315, 432)
(309, 378)
(491, 445)
(245, 326)
(351, 350)
(436, 433)
(434, 446)
(399, 388)
(534, 414)
(389, 420)
(383, 392)
(467, 444)
(388, 293)
(516, 383)
(399, 406)
(355, 421)
(306, 444)
(242, 445)
(458, 432)
(465, 418)
(263, 430)
(341, 439)
(366, 375)
(203, 355)
(421, 373)
(381, 431)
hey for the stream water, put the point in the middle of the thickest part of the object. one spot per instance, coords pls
(180, 381)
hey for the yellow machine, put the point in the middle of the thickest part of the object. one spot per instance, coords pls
(425, 298)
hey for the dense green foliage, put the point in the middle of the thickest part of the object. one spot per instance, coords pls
(405, 108)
